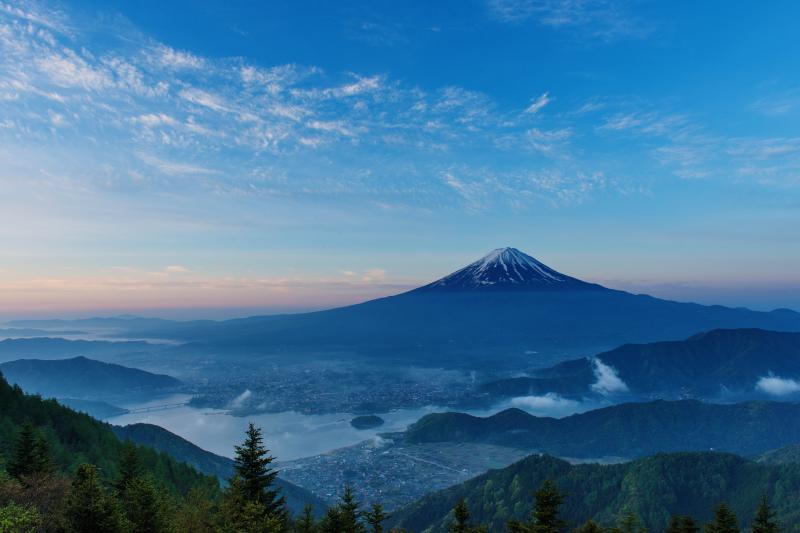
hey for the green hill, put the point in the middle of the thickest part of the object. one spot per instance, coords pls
(654, 488)
(626, 430)
(76, 438)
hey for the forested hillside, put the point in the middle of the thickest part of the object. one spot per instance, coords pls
(654, 489)
(76, 438)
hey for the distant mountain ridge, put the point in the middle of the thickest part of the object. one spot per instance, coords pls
(83, 378)
(627, 430)
(722, 364)
(57, 348)
(504, 311)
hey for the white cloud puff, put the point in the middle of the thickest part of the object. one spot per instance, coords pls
(608, 381)
(778, 386)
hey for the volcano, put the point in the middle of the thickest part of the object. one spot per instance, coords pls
(505, 310)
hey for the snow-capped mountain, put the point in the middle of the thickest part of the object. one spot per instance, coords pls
(508, 268)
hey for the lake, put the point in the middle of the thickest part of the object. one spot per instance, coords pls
(290, 435)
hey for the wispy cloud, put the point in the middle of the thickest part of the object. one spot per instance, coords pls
(599, 19)
(538, 103)
(778, 104)
(174, 168)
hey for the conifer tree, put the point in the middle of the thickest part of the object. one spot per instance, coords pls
(306, 524)
(461, 518)
(130, 467)
(682, 524)
(375, 518)
(724, 521)
(589, 527)
(764, 521)
(31, 454)
(144, 507)
(629, 523)
(196, 513)
(88, 508)
(252, 466)
(348, 513)
(545, 515)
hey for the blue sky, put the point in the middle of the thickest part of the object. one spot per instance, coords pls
(293, 155)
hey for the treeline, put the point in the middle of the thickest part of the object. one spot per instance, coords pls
(35, 497)
(545, 518)
(74, 439)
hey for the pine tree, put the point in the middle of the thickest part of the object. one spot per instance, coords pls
(682, 524)
(196, 513)
(375, 518)
(348, 513)
(589, 527)
(31, 454)
(461, 518)
(724, 521)
(332, 523)
(764, 521)
(629, 523)
(144, 507)
(88, 508)
(130, 467)
(306, 524)
(253, 469)
(545, 517)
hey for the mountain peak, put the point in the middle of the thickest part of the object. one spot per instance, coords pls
(508, 268)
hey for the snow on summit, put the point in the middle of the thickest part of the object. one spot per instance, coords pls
(507, 267)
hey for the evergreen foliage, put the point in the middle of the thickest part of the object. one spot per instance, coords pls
(724, 521)
(375, 517)
(59, 439)
(306, 523)
(255, 476)
(590, 526)
(682, 524)
(89, 508)
(31, 454)
(545, 516)
(764, 522)
(629, 523)
(461, 523)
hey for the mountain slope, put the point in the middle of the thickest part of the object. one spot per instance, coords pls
(76, 438)
(654, 488)
(84, 378)
(506, 310)
(627, 430)
(717, 364)
(209, 463)
(508, 268)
